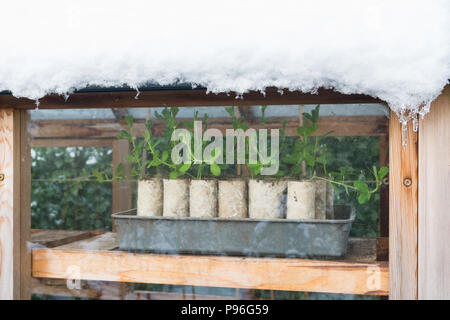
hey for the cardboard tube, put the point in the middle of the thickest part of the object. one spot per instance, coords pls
(265, 199)
(301, 200)
(321, 199)
(233, 198)
(203, 199)
(176, 198)
(150, 197)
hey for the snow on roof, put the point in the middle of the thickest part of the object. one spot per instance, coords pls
(398, 51)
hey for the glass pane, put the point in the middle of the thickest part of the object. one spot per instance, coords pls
(295, 202)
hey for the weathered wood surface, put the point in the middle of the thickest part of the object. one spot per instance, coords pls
(434, 200)
(14, 205)
(48, 143)
(97, 262)
(403, 202)
(88, 289)
(56, 238)
(114, 291)
(100, 129)
(8, 261)
(167, 98)
(121, 190)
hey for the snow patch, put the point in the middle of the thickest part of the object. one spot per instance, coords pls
(398, 51)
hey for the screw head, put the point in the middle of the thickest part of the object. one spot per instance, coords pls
(407, 182)
(2, 177)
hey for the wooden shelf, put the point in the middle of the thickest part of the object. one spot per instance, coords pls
(97, 258)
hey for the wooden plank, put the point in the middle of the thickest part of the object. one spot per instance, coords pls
(58, 287)
(103, 242)
(52, 143)
(403, 200)
(167, 98)
(55, 238)
(113, 291)
(15, 259)
(382, 249)
(434, 200)
(96, 263)
(159, 295)
(384, 190)
(94, 129)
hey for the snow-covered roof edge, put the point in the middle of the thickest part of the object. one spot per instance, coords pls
(397, 51)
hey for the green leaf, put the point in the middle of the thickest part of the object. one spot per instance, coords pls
(174, 175)
(185, 167)
(129, 120)
(215, 169)
(164, 155)
(383, 172)
(98, 175)
(120, 171)
(363, 197)
(129, 158)
(361, 186)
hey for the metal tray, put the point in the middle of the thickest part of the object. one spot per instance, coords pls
(241, 237)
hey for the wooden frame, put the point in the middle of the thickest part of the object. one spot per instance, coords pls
(167, 98)
(416, 250)
(358, 273)
(434, 201)
(403, 200)
(15, 219)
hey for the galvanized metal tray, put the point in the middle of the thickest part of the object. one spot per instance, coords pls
(241, 237)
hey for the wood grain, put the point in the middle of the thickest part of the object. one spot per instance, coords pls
(121, 190)
(100, 129)
(52, 143)
(403, 201)
(95, 263)
(434, 200)
(167, 98)
(15, 258)
(8, 258)
(56, 238)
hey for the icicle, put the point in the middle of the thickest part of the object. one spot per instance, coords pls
(137, 93)
(415, 123)
(66, 96)
(404, 134)
(37, 104)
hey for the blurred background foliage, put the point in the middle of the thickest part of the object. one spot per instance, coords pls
(62, 196)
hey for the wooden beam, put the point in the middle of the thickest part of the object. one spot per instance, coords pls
(52, 143)
(434, 201)
(58, 287)
(384, 189)
(403, 200)
(15, 259)
(113, 291)
(167, 98)
(102, 263)
(109, 129)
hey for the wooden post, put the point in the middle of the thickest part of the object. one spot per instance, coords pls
(300, 123)
(403, 201)
(434, 201)
(15, 177)
(122, 192)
